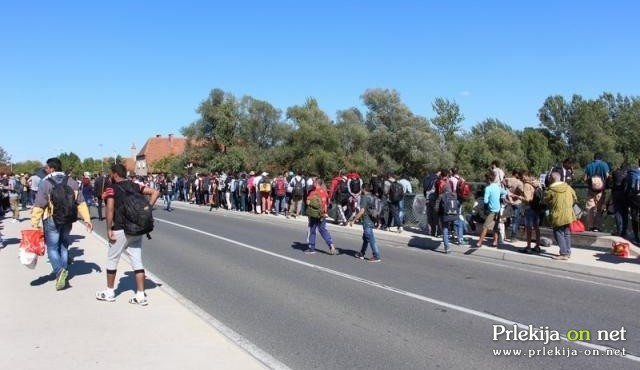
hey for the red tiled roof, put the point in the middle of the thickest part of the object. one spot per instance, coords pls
(161, 147)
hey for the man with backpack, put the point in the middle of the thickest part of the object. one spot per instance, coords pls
(57, 206)
(396, 193)
(448, 211)
(15, 193)
(317, 203)
(298, 187)
(354, 183)
(128, 218)
(430, 196)
(532, 202)
(280, 189)
(368, 213)
(633, 197)
(619, 199)
(595, 176)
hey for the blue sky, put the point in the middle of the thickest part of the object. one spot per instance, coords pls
(95, 77)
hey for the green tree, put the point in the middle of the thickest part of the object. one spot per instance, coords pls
(490, 140)
(71, 162)
(27, 166)
(314, 145)
(448, 119)
(555, 115)
(5, 158)
(537, 154)
(399, 139)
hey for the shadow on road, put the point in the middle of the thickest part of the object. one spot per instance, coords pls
(128, 282)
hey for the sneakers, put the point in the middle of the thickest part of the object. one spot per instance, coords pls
(310, 251)
(332, 250)
(104, 295)
(61, 279)
(463, 243)
(14, 220)
(141, 302)
(373, 259)
(358, 255)
(562, 257)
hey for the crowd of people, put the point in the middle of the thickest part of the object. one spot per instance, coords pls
(501, 208)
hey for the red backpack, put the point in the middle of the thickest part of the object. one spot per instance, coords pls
(281, 187)
(463, 190)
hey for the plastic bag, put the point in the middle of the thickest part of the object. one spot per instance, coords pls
(28, 259)
(33, 241)
(620, 249)
(576, 227)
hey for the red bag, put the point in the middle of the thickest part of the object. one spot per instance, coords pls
(620, 249)
(576, 227)
(33, 241)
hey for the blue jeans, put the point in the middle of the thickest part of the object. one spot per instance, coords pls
(167, 199)
(56, 237)
(281, 204)
(394, 215)
(320, 224)
(515, 220)
(563, 237)
(444, 226)
(369, 239)
(401, 211)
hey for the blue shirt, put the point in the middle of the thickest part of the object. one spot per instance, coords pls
(492, 194)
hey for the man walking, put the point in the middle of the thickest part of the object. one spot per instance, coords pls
(560, 199)
(57, 205)
(99, 186)
(317, 202)
(119, 241)
(367, 206)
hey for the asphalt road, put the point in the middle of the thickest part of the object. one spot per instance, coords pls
(417, 309)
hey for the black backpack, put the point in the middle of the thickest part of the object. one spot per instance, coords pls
(63, 199)
(18, 188)
(449, 205)
(396, 192)
(298, 189)
(537, 203)
(242, 186)
(137, 212)
(377, 187)
(355, 186)
(343, 191)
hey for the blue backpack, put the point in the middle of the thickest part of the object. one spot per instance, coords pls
(633, 187)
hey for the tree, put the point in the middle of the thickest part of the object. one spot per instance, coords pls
(537, 155)
(554, 115)
(399, 139)
(71, 162)
(314, 145)
(490, 140)
(27, 166)
(448, 119)
(5, 158)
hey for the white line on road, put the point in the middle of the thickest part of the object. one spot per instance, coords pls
(392, 289)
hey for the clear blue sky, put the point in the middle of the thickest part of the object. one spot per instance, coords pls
(94, 76)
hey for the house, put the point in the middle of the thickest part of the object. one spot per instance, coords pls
(156, 148)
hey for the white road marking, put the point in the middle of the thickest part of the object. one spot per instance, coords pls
(532, 269)
(266, 359)
(388, 288)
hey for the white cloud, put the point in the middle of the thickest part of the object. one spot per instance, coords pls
(465, 93)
